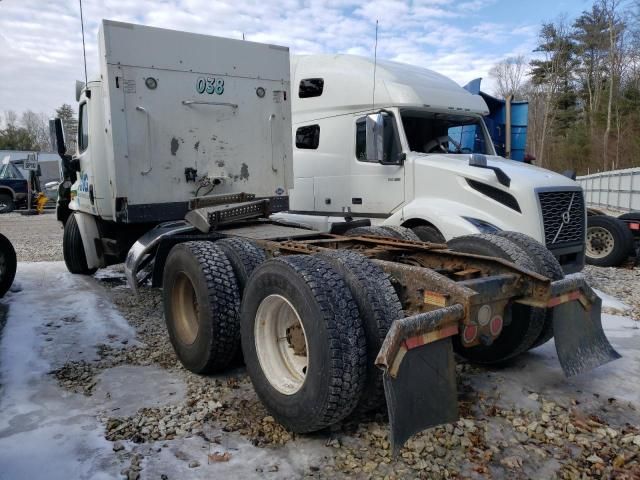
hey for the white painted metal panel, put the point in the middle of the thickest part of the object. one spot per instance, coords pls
(220, 107)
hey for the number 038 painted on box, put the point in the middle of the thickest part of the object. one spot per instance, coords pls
(210, 85)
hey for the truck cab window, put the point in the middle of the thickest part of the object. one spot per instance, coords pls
(83, 128)
(392, 147)
(429, 132)
(308, 137)
(311, 87)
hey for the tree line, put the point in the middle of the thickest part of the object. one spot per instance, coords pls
(30, 130)
(583, 89)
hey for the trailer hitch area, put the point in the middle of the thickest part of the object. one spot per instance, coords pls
(419, 372)
(577, 325)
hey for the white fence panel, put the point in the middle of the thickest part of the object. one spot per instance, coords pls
(616, 189)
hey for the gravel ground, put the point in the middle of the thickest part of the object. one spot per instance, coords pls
(541, 435)
(581, 437)
(36, 238)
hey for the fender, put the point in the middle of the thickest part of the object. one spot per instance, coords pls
(90, 236)
(447, 216)
(9, 190)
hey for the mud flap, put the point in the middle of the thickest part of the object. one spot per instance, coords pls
(423, 393)
(580, 341)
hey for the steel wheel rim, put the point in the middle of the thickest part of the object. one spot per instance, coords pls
(600, 242)
(281, 344)
(185, 309)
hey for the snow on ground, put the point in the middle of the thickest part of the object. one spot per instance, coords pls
(53, 317)
(45, 431)
(611, 302)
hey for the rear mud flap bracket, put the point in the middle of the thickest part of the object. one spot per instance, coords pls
(419, 372)
(580, 340)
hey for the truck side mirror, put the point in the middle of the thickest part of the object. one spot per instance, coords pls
(375, 137)
(69, 165)
(59, 137)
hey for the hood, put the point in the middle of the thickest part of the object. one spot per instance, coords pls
(521, 174)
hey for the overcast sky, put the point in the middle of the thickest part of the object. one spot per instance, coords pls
(41, 43)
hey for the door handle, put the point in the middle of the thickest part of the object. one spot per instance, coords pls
(148, 140)
(205, 102)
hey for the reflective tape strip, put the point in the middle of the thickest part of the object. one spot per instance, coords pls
(567, 297)
(420, 340)
(435, 298)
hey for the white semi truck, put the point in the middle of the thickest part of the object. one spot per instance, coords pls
(185, 153)
(435, 171)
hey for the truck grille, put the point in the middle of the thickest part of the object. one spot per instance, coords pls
(563, 217)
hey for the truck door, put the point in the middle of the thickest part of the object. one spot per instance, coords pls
(377, 179)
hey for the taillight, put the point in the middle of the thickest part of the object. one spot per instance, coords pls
(634, 226)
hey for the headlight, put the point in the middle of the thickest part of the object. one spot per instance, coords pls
(484, 227)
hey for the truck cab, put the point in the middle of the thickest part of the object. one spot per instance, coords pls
(402, 145)
(178, 118)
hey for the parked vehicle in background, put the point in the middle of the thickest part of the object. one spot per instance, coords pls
(611, 240)
(13, 188)
(435, 169)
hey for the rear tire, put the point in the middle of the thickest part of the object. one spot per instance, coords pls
(201, 306)
(427, 233)
(244, 256)
(73, 249)
(8, 264)
(373, 231)
(546, 264)
(303, 342)
(401, 232)
(609, 241)
(6, 203)
(379, 307)
(526, 322)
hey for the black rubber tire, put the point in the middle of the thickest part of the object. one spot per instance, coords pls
(8, 264)
(218, 296)
(6, 203)
(378, 305)
(427, 233)
(374, 231)
(526, 322)
(546, 264)
(622, 240)
(336, 341)
(244, 255)
(402, 233)
(73, 249)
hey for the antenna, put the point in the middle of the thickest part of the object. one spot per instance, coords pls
(375, 64)
(84, 51)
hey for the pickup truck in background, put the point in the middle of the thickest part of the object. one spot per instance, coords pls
(435, 170)
(14, 187)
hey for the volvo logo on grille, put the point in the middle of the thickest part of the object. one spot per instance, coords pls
(565, 217)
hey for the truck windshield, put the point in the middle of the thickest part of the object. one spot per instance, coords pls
(429, 132)
(9, 172)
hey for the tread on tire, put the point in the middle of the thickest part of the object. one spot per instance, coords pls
(337, 350)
